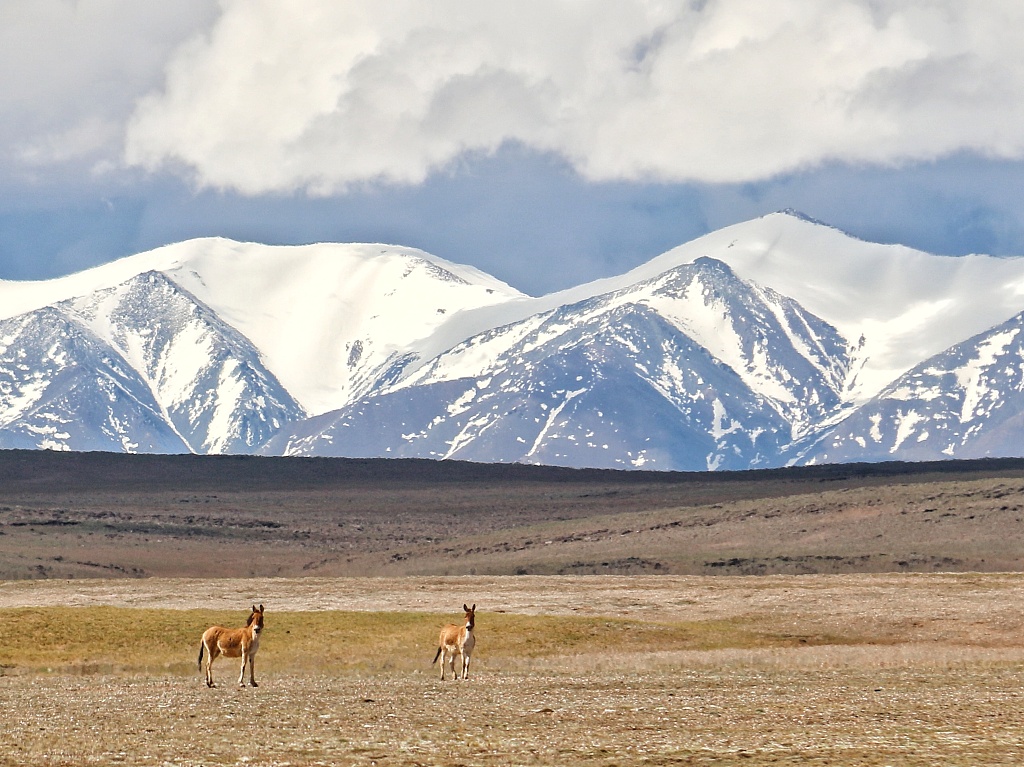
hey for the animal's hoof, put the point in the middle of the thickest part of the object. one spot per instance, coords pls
(255, 685)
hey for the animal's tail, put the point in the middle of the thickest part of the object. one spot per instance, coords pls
(202, 647)
(436, 656)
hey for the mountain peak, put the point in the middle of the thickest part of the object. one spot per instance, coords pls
(800, 215)
(797, 215)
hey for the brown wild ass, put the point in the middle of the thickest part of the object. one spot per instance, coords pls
(233, 643)
(457, 640)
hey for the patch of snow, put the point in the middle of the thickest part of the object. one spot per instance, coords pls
(905, 423)
(970, 376)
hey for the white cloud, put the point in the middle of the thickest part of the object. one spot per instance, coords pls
(320, 95)
(70, 72)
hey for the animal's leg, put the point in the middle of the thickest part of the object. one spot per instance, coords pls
(465, 666)
(241, 674)
(456, 669)
(444, 660)
(252, 671)
(209, 670)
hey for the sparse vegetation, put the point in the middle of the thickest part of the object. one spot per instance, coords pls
(152, 641)
(900, 670)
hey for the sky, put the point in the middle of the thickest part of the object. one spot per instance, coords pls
(546, 142)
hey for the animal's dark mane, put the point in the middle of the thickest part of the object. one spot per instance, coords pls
(253, 614)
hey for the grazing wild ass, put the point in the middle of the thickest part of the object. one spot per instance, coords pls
(233, 643)
(457, 640)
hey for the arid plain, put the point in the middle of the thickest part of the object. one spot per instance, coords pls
(866, 615)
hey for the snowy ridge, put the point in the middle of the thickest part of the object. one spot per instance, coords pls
(775, 341)
(333, 321)
(791, 360)
(967, 402)
(895, 305)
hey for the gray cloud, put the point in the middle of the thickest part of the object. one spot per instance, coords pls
(526, 218)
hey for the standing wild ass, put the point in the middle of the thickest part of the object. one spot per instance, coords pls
(233, 643)
(457, 640)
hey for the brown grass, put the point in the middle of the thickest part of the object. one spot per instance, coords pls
(873, 670)
(151, 641)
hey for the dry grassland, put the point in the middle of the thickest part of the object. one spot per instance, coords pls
(846, 615)
(895, 669)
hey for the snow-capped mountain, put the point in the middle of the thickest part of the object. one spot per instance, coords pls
(693, 369)
(779, 340)
(331, 321)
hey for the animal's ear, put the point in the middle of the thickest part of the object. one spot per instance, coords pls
(473, 609)
(254, 608)
(261, 608)
(466, 608)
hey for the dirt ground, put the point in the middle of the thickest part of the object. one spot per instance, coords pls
(927, 670)
(671, 714)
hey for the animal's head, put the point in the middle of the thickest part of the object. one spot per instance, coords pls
(470, 615)
(256, 619)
